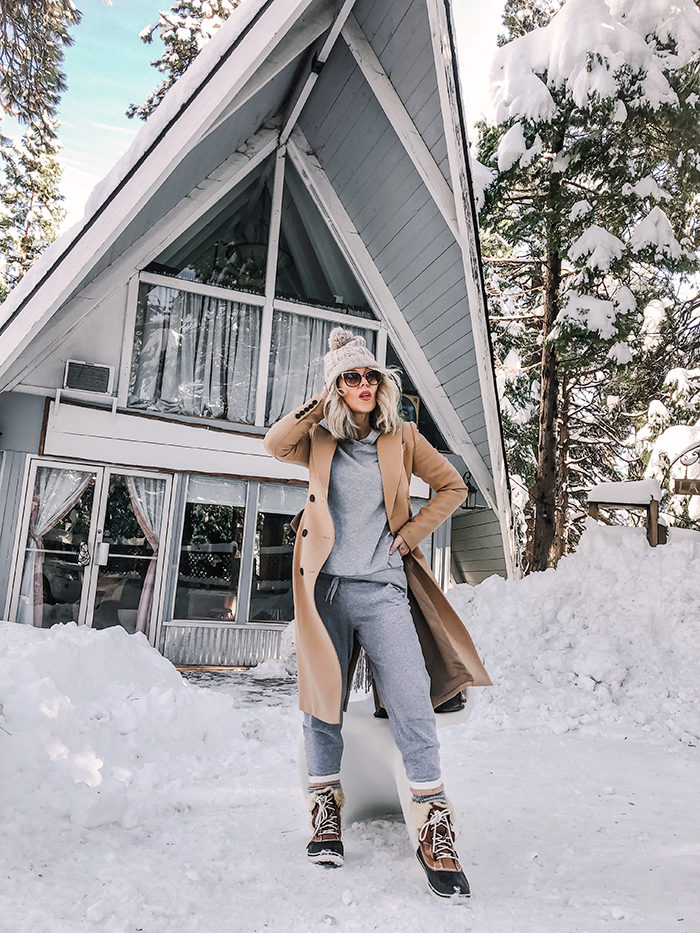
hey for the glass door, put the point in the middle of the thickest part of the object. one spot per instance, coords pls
(93, 550)
(58, 543)
(127, 559)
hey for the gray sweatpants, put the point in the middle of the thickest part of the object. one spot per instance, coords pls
(380, 615)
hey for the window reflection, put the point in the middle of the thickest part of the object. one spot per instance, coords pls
(210, 553)
(271, 597)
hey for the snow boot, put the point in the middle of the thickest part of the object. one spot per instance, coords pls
(436, 850)
(326, 847)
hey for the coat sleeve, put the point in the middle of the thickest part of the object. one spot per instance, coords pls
(288, 440)
(443, 479)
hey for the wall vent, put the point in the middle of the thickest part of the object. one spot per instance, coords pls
(88, 377)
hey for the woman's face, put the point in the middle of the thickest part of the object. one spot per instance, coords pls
(361, 399)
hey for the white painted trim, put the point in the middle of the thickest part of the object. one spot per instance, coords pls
(309, 311)
(403, 125)
(200, 288)
(453, 123)
(245, 573)
(306, 84)
(270, 286)
(386, 308)
(381, 346)
(166, 547)
(132, 294)
(17, 566)
(146, 443)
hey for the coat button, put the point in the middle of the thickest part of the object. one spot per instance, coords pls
(305, 532)
(301, 571)
(312, 498)
(298, 415)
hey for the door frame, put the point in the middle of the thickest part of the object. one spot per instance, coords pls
(102, 472)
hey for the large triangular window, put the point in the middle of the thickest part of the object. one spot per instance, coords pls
(312, 269)
(230, 248)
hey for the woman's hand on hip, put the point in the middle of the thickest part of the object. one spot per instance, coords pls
(400, 545)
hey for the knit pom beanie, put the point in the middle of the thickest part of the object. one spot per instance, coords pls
(347, 351)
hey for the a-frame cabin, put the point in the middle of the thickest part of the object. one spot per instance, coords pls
(309, 169)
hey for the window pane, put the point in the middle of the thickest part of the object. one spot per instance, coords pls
(271, 596)
(57, 547)
(127, 566)
(216, 490)
(299, 344)
(281, 498)
(229, 247)
(195, 355)
(210, 554)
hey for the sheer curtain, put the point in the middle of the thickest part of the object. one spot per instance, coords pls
(198, 355)
(299, 344)
(147, 499)
(55, 494)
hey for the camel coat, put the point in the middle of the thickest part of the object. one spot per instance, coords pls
(450, 656)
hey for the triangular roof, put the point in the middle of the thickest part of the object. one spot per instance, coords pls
(364, 99)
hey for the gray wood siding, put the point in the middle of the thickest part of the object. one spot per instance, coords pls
(400, 225)
(477, 547)
(401, 40)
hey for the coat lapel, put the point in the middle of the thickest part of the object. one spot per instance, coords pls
(322, 450)
(389, 454)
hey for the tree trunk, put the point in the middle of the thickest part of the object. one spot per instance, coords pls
(560, 545)
(545, 486)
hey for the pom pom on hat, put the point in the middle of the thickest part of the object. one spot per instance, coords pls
(339, 337)
(347, 351)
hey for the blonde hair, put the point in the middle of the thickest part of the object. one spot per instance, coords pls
(384, 418)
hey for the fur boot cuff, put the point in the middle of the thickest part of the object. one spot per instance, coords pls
(337, 792)
(421, 811)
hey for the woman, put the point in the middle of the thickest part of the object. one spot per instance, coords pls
(360, 580)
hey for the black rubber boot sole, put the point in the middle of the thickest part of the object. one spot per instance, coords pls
(450, 886)
(328, 854)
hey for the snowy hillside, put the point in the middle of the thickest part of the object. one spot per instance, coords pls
(133, 800)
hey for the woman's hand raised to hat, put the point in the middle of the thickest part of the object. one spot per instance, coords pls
(324, 393)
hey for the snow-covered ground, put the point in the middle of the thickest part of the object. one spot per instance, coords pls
(133, 800)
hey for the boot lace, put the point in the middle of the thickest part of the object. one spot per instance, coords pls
(327, 816)
(442, 844)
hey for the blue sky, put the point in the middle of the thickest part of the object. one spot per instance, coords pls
(108, 68)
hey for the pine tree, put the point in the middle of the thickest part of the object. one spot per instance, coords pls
(33, 35)
(184, 30)
(30, 205)
(592, 215)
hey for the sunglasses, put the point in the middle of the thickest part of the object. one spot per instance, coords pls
(353, 379)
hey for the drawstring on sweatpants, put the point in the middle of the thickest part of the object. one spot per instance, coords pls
(332, 589)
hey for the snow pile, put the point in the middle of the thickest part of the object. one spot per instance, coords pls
(94, 721)
(611, 637)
